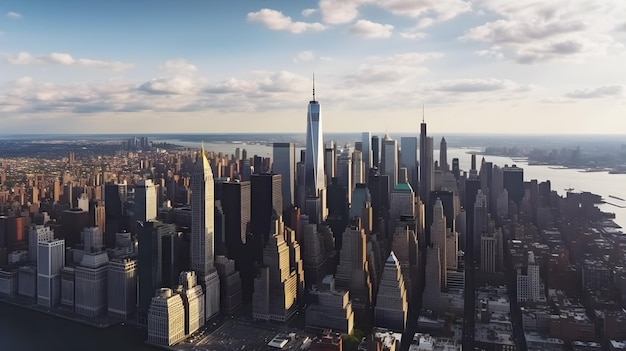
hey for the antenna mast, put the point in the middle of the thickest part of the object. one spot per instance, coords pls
(313, 86)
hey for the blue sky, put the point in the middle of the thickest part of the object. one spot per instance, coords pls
(482, 66)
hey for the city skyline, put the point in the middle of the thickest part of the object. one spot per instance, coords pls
(121, 67)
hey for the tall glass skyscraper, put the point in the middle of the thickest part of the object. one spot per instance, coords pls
(314, 156)
(284, 157)
(366, 149)
(408, 159)
(202, 233)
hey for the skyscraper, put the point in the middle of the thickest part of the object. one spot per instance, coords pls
(202, 233)
(276, 289)
(145, 200)
(375, 151)
(513, 181)
(443, 155)
(344, 171)
(50, 260)
(392, 305)
(284, 157)
(389, 163)
(314, 156)
(408, 158)
(236, 207)
(426, 166)
(438, 238)
(366, 149)
(266, 197)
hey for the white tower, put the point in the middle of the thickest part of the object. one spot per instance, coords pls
(202, 233)
(314, 155)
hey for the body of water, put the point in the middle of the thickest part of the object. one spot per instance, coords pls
(26, 330)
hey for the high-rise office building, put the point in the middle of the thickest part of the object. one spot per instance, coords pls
(50, 260)
(72, 223)
(266, 197)
(375, 151)
(193, 301)
(408, 159)
(202, 233)
(438, 232)
(456, 168)
(150, 255)
(230, 285)
(115, 196)
(378, 186)
(68, 285)
(92, 238)
(529, 284)
(331, 309)
(122, 288)
(488, 253)
(90, 284)
(443, 155)
(284, 163)
(513, 182)
(314, 255)
(389, 162)
(353, 273)
(166, 318)
(37, 233)
(358, 171)
(276, 288)
(424, 168)
(405, 248)
(344, 171)
(401, 203)
(314, 155)
(83, 202)
(391, 302)
(330, 160)
(366, 149)
(236, 206)
(480, 223)
(145, 200)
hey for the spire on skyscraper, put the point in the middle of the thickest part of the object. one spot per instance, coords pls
(313, 86)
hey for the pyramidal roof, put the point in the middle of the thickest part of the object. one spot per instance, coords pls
(392, 258)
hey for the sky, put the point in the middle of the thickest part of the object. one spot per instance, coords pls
(200, 66)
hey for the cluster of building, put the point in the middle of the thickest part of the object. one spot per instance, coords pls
(363, 233)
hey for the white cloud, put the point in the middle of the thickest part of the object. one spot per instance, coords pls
(474, 85)
(492, 53)
(372, 30)
(340, 11)
(276, 20)
(395, 68)
(178, 66)
(303, 56)
(548, 31)
(55, 58)
(412, 34)
(595, 93)
(260, 91)
(440, 9)
(308, 12)
(14, 15)
(169, 85)
(346, 11)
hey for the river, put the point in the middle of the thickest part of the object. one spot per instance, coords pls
(26, 330)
